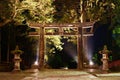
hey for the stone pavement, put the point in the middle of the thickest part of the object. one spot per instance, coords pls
(52, 74)
(109, 76)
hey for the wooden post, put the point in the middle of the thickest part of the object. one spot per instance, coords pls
(0, 45)
(41, 60)
(80, 49)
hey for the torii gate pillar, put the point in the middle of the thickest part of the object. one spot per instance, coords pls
(41, 53)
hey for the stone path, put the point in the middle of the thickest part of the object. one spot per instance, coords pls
(54, 74)
(48, 75)
(61, 75)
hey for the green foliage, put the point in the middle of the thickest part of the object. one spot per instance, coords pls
(100, 10)
(72, 39)
(71, 11)
(110, 58)
(53, 50)
(31, 10)
(95, 57)
(5, 9)
(67, 11)
(116, 23)
(116, 35)
(53, 43)
(42, 11)
(35, 10)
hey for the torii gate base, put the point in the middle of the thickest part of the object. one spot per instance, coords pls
(78, 29)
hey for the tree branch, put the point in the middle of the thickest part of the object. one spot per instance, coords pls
(2, 23)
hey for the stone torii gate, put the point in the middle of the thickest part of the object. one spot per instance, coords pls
(81, 30)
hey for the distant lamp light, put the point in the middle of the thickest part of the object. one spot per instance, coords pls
(91, 63)
(36, 63)
(66, 68)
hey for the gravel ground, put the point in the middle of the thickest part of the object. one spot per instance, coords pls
(56, 75)
(110, 78)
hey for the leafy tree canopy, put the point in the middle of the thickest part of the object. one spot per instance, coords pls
(31, 10)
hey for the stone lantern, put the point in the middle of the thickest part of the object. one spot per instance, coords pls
(105, 58)
(17, 58)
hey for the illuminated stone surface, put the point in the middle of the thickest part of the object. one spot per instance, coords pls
(53, 74)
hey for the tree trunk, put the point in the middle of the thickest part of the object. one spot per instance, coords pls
(82, 9)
